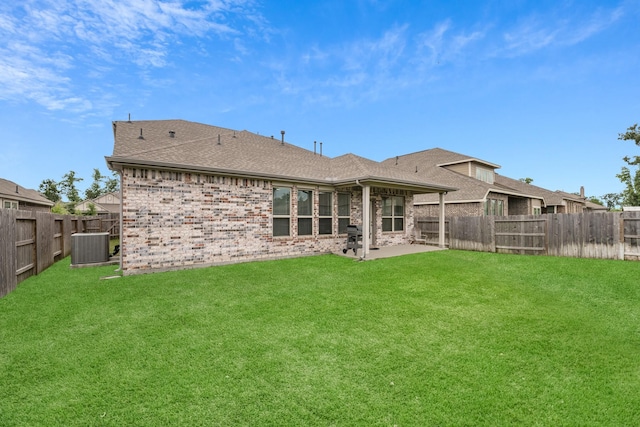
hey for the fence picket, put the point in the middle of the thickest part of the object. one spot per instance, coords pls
(610, 235)
(30, 242)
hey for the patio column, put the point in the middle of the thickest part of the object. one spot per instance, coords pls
(366, 219)
(441, 228)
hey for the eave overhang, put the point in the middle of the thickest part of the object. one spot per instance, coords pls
(116, 163)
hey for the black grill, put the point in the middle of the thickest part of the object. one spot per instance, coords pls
(354, 238)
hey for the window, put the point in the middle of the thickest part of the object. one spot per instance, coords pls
(484, 174)
(537, 211)
(392, 213)
(10, 204)
(305, 212)
(494, 207)
(325, 212)
(281, 211)
(344, 212)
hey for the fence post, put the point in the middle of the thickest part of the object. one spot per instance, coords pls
(8, 252)
(44, 241)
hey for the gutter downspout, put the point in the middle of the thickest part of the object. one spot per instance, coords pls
(121, 222)
(366, 215)
(441, 224)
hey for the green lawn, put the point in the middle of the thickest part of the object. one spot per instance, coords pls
(444, 338)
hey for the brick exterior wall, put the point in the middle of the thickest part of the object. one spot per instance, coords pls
(519, 206)
(175, 220)
(511, 206)
(450, 209)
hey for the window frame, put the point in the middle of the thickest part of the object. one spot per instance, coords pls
(12, 204)
(342, 216)
(323, 217)
(391, 219)
(304, 218)
(485, 174)
(280, 216)
(494, 207)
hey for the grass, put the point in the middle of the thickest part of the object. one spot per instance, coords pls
(441, 338)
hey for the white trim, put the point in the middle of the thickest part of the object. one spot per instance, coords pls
(470, 160)
(12, 201)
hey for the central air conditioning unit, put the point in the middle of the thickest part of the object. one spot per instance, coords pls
(89, 248)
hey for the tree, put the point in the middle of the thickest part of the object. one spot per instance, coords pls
(68, 185)
(51, 190)
(95, 189)
(629, 177)
(91, 211)
(101, 185)
(612, 200)
(60, 208)
(594, 199)
(112, 184)
(526, 180)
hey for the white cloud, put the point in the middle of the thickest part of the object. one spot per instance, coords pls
(538, 32)
(48, 42)
(433, 41)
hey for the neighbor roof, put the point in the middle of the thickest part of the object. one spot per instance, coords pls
(428, 165)
(189, 146)
(551, 198)
(13, 191)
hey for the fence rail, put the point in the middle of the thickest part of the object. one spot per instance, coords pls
(610, 235)
(30, 242)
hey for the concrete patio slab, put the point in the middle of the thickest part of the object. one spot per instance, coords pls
(390, 251)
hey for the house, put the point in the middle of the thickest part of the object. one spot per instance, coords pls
(481, 190)
(478, 192)
(195, 195)
(107, 203)
(553, 201)
(14, 196)
(595, 207)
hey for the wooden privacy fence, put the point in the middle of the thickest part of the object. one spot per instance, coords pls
(30, 242)
(609, 235)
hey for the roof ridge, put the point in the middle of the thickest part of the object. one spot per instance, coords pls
(170, 145)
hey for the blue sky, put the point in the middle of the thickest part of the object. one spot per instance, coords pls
(541, 88)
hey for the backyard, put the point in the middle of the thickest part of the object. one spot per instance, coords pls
(438, 338)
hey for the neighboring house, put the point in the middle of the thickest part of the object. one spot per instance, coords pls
(14, 196)
(595, 207)
(553, 201)
(481, 191)
(196, 195)
(107, 203)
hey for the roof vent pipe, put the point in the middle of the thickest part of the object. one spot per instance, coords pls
(320, 149)
(141, 137)
(314, 147)
(172, 134)
(396, 160)
(17, 189)
(129, 117)
(282, 133)
(219, 140)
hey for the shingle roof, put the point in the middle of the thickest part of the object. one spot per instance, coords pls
(426, 165)
(13, 191)
(199, 147)
(441, 157)
(551, 198)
